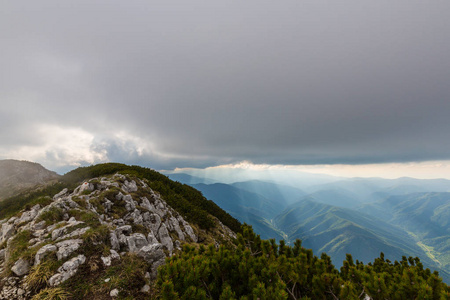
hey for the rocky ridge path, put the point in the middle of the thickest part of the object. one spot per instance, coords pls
(99, 223)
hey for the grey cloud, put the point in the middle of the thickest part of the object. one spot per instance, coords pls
(209, 83)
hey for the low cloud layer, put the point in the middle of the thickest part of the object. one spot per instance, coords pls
(198, 84)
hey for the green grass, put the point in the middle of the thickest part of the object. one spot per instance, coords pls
(19, 249)
(127, 275)
(88, 217)
(39, 275)
(51, 216)
(52, 294)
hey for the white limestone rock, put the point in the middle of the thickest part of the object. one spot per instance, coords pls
(65, 248)
(154, 222)
(67, 270)
(119, 196)
(136, 241)
(60, 194)
(125, 229)
(38, 226)
(145, 203)
(86, 186)
(151, 238)
(129, 186)
(28, 215)
(114, 240)
(21, 267)
(107, 260)
(154, 255)
(175, 225)
(188, 229)
(2, 255)
(114, 293)
(59, 232)
(108, 205)
(76, 233)
(8, 230)
(41, 253)
(164, 238)
(129, 203)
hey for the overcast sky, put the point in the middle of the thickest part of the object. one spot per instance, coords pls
(170, 84)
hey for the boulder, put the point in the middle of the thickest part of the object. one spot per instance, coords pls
(21, 267)
(119, 196)
(38, 226)
(129, 186)
(43, 252)
(86, 186)
(28, 215)
(175, 225)
(188, 229)
(154, 222)
(151, 238)
(154, 255)
(164, 238)
(65, 248)
(60, 194)
(145, 289)
(67, 270)
(114, 240)
(129, 203)
(76, 233)
(125, 229)
(136, 241)
(146, 204)
(107, 205)
(59, 232)
(8, 231)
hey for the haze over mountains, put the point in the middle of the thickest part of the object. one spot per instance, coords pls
(16, 176)
(362, 216)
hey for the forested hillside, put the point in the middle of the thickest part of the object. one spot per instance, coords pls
(262, 269)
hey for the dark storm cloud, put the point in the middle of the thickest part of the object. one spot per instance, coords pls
(197, 84)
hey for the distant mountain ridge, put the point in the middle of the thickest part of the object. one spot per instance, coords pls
(337, 231)
(426, 216)
(16, 176)
(362, 216)
(245, 206)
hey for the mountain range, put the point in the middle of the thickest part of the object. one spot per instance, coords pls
(362, 216)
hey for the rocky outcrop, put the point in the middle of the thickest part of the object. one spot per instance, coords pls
(154, 255)
(105, 211)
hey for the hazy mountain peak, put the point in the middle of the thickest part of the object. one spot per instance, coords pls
(16, 175)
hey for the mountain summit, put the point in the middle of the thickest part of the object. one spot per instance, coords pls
(16, 176)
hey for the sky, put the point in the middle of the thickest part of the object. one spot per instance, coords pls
(326, 85)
